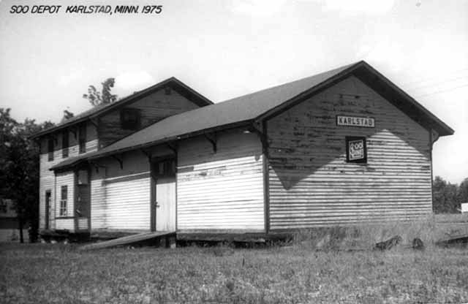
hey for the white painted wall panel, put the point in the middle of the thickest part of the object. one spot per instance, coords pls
(222, 190)
(65, 179)
(121, 196)
(98, 199)
(47, 180)
(128, 202)
(65, 224)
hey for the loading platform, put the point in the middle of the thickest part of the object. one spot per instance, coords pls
(160, 238)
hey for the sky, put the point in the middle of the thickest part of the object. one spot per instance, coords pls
(227, 48)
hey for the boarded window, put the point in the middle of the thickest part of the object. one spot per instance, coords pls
(356, 149)
(82, 138)
(130, 119)
(50, 148)
(65, 144)
(63, 201)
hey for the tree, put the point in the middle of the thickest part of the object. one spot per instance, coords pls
(105, 96)
(446, 198)
(463, 191)
(19, 163)
(67, 115)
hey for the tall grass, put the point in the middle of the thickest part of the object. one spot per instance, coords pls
(364, 237)
(343, 270)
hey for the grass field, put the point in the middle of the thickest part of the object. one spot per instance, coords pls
(58, 273)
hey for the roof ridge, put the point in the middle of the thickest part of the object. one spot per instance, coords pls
(99, 109)
(344, 67)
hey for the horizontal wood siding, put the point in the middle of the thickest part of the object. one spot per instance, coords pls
(65, 224)
(121, 196)
(65, 179)
(128, 202)
(152, 108)
(47, 178)
(98, 198)
(220, 190)
(310, 182)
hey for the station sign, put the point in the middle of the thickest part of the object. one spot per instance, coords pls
(355, 121)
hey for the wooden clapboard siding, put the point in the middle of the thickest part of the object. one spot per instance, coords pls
(310, 182)
(222, 190)
(65, 224)
(65, 221)
(98, 199)
(47, 179)
(152, 109)
(128, 202)
(121, 196)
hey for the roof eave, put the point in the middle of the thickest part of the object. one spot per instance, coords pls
(309, 92)
(357, 68)
(123, 102)
(428, 118)
(58, 128)
(173, 138)
(61, 168)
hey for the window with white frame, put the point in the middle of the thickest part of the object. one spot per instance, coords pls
(63, 200)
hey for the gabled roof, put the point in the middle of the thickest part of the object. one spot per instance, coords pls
(96, 111)
(267, 103)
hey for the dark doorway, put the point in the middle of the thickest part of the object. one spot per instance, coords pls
(48, 197)
(82, 200)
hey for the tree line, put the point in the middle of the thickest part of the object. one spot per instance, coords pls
(449, 197)
(19, 168)
(19, 158)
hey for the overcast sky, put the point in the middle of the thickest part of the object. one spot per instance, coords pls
(224, 49)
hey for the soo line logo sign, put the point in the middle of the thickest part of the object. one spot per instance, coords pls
(356, 150)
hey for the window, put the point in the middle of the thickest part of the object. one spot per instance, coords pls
(356, 149)
(3, 206)
(165, 168)
(63, 201)
(82, 177)
(65, 144)
(50, 148)
(82, 138)
(130, 119)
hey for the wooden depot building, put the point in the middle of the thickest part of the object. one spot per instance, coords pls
(343, 147)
